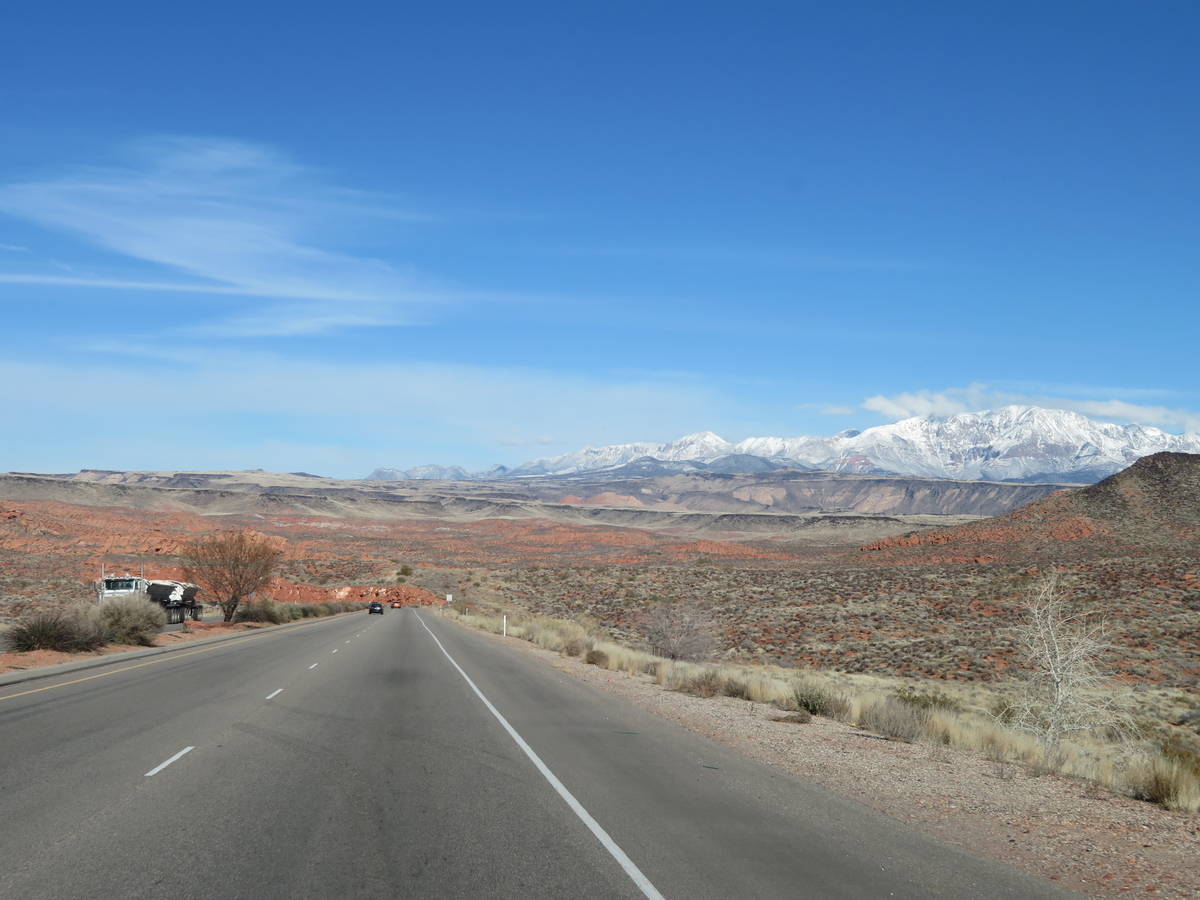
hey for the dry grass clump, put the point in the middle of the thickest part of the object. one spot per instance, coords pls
(708, 682)
(901, 709)
(895, 719)
(1167, 781)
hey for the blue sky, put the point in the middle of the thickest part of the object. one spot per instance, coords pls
(327, 237)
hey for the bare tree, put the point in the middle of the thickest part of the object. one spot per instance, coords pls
(230, 565)
(680, 631)
(1066, 691)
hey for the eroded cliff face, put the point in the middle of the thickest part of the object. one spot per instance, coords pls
(801, 493)
(681, 504)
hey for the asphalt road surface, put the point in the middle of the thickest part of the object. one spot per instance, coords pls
(405, 756)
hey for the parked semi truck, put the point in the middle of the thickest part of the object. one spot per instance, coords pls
(177, 598)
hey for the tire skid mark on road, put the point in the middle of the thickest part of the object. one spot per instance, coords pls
(635, 874)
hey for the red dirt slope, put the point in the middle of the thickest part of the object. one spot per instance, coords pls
(1154, 505)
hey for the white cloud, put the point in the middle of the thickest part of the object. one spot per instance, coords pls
(978, 397)
(921, 403)
(223, 217)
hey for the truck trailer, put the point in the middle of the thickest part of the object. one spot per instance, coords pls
(177, 598)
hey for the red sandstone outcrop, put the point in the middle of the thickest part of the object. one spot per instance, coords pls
(289, 592)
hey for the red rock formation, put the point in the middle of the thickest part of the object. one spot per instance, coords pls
(608, 498)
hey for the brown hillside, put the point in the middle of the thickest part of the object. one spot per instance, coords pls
(1154, 505)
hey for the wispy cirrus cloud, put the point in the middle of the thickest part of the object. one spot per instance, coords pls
(223, 217)
(751, 256)
(979, 397)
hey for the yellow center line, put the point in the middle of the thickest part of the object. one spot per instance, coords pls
(167, 657)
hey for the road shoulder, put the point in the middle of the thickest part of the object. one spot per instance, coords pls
(1087, 840)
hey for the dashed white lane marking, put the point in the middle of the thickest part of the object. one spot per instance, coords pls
(634, 873)
(276, 694)
(162, 766)
(335, 651)
(314, 665)
(349, 642)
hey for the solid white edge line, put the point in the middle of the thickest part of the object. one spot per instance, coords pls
(610, 845)
(277, 693)
(162, 766)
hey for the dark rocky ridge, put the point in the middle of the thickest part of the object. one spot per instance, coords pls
(1153, 504)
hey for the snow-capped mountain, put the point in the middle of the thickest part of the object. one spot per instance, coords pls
(436, 473)
(1016, 443)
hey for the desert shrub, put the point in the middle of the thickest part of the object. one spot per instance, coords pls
(250, 611)
(44, 631)
(597, 658)
(90, 634)
(819, 700)
(895, 719)
(683, 631)
(263, 610)
(573, 648)
(124, 621)
(132, 620)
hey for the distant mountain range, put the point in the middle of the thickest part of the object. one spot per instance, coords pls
(1016, 443)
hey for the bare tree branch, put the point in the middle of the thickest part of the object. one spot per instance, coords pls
(230, 566)
(682, 631)
(1066, 691)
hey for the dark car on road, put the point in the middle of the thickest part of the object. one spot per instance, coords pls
(375, 607)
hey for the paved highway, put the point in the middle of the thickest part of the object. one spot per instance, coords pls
(407, 756)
